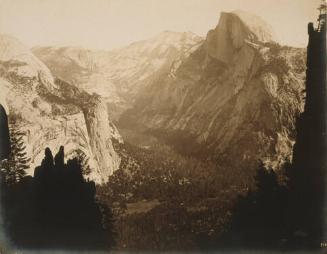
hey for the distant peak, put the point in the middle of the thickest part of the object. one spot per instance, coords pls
(11, 47)
(233, 31)
(8, 37)
(176, 35)
(254, 22)
(257, 26)
(169, 32)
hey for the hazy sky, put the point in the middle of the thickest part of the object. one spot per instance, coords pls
(113, 23)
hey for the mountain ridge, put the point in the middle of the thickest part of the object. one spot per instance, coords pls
(240, 98)
(117, 75)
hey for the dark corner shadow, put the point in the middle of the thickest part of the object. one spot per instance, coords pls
(56, 209)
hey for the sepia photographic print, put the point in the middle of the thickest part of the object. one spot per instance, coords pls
(175, 126)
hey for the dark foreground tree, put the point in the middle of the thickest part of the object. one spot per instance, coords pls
(4, 134)
(294, 218)
(57, 208)
(17, 162)
(258, 217)
(307, 206)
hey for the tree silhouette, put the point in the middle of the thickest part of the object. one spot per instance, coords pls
(4, 135)
(258, 217)
(307, 175)
(17, 162)
(66, 203)
(83, 159)
(60, 208)
(322, 15)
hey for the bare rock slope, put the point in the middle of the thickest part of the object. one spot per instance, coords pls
(238, 94)
(53, 113)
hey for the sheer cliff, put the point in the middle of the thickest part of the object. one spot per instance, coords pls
(52, 112)
(238, 94)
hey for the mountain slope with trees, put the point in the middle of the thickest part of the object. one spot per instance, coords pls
(237, 95)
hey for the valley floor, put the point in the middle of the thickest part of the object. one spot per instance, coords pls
(162, 200)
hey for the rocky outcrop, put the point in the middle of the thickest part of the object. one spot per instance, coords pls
(52, 112)
(96, 118)
(238, 94)
(233, 32)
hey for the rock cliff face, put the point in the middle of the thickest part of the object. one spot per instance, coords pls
(233, 32)
(54, 113)
(117, 75)
(101, 133)
(238, 94)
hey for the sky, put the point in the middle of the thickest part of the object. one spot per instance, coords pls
(108, 24)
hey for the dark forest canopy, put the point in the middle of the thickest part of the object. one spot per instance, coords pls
(60, 209)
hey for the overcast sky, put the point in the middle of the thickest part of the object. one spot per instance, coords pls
(106, 24)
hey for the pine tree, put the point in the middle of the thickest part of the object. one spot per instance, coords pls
(83, 159)
(322, 15)
(15, 166)
(80, 138)
(258, 217)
